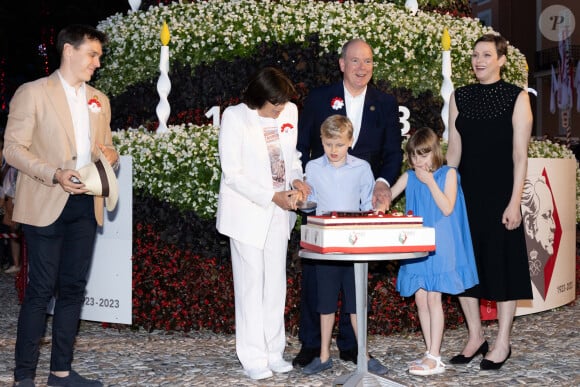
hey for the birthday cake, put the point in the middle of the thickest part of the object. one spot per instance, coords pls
(366, 232)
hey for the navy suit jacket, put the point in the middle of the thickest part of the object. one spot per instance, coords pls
(379, 140)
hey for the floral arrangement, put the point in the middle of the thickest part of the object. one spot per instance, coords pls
(190, 154)
(182, 279)
(407, 49)
(175, 289)
(180, 167)
(547, 149)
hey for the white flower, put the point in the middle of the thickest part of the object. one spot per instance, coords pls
(222, 30)
(180, 167)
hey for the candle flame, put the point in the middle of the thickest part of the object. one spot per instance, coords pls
(446, 40)
(165, 34)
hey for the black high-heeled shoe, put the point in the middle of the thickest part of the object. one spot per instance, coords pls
(490, 365)
(462, 359)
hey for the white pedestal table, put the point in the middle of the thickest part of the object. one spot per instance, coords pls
(362, 376)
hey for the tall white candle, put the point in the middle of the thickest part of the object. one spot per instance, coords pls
(135, 4)
(447, 84)
(163, 84)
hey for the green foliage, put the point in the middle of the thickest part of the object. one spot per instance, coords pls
(407, 49)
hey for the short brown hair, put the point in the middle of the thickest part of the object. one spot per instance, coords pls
(335, 125)
(500, 42)
(423, 141)
(75, 35)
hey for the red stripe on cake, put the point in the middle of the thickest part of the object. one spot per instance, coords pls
(367, 250)
(359, 224)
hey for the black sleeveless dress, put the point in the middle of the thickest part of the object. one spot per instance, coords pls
(485, 125)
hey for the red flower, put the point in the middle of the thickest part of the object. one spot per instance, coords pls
(175, 289)
(286, 127)
(337, 103)
(94, 105)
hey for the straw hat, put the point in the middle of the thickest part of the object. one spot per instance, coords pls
(100, 179)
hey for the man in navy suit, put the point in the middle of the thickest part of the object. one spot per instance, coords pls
(377, 139)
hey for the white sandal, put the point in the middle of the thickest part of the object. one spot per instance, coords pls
(425, 369)
(418, 361)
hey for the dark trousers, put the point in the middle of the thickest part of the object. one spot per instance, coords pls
(309, 330)
(59, 257)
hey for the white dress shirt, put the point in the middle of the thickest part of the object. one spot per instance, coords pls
(354, 111)
(79, 109)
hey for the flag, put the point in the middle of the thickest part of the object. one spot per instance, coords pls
(553, 92)
(577, 86)
(564, 93)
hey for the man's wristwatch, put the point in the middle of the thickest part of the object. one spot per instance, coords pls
(54, 179)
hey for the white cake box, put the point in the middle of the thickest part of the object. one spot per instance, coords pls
(367, 239)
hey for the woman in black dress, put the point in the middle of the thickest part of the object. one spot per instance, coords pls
(490, 124)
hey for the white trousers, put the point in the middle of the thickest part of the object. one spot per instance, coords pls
(260, 295)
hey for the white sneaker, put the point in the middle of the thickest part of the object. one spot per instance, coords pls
(259, 373)
(12, 269)
(280, 366)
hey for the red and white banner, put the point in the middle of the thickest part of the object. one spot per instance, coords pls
(549, 219)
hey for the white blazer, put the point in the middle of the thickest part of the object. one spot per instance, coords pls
(245, 205)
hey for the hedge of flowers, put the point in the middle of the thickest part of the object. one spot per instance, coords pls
(182, 166)
(182, 278)
(176, 289)
(407, 49)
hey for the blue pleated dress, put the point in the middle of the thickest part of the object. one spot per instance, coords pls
(451, 267)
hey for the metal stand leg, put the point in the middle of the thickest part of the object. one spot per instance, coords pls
(361, 377)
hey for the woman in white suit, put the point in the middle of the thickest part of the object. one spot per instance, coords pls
(260, 165)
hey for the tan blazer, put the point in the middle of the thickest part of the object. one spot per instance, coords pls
(40, 138)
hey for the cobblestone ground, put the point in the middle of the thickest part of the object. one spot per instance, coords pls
(546, 352)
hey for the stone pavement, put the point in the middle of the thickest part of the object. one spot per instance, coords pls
(546, 352)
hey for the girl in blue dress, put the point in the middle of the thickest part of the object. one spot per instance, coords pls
(433, 191)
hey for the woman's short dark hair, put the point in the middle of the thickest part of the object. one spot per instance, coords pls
(501, 44)
(75, 35)
(268, 85)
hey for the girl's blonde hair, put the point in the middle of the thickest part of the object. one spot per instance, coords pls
(423, 141)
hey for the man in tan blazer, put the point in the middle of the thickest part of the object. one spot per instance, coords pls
(56, 125)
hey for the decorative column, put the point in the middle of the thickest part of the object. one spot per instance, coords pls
(446, 85)
(163, 84)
